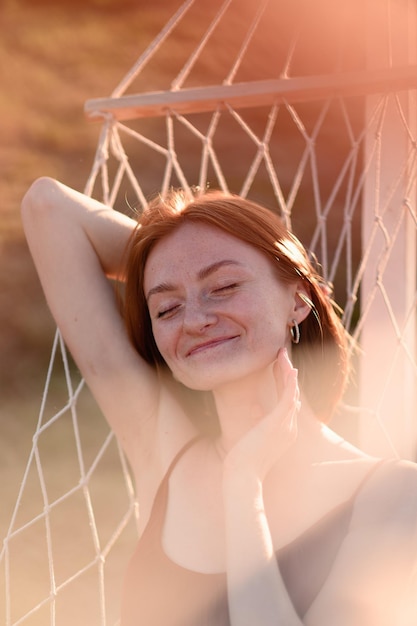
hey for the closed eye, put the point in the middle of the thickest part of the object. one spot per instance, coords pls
(167, 312)
(226, 288)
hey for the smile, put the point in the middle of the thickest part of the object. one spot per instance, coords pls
(207, 345)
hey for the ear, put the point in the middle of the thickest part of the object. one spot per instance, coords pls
(302, 301)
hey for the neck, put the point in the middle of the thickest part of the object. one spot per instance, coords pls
(240, 405)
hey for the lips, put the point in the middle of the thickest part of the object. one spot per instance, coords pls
(212, 343)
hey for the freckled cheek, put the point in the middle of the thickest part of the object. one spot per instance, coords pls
(164, 342)
(267, 327)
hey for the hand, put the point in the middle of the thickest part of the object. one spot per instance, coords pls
(260, 448)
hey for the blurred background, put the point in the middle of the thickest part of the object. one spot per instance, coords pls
(53, 57)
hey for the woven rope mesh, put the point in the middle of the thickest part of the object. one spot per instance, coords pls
(308, 108)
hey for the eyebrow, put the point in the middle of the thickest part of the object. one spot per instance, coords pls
(203, 273)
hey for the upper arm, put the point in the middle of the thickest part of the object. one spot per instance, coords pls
(373, 579)
(75, 241)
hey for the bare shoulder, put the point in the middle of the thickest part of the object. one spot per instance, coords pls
(389, 497)
(373, 579)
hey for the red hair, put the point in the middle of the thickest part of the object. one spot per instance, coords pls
(321, 356)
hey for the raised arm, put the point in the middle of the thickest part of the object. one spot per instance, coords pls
(77, 243)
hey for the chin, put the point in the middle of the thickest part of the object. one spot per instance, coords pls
(209, 374)
(196, 385)
(222, 377)
(205, 381)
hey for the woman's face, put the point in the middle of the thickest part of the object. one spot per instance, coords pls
(219, 313)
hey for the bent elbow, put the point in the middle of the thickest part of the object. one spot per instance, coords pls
(38, 199)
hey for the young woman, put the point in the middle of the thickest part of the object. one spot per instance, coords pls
(253, 512)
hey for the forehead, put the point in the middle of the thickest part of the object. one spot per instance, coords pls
(194, 246)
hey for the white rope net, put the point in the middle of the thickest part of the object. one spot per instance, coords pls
(308, 108)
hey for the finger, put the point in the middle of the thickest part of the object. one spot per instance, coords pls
(282, 366)
(285, 374)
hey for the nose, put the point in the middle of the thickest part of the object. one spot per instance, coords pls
(197, 317)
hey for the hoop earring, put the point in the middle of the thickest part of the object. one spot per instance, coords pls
(295, 332)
